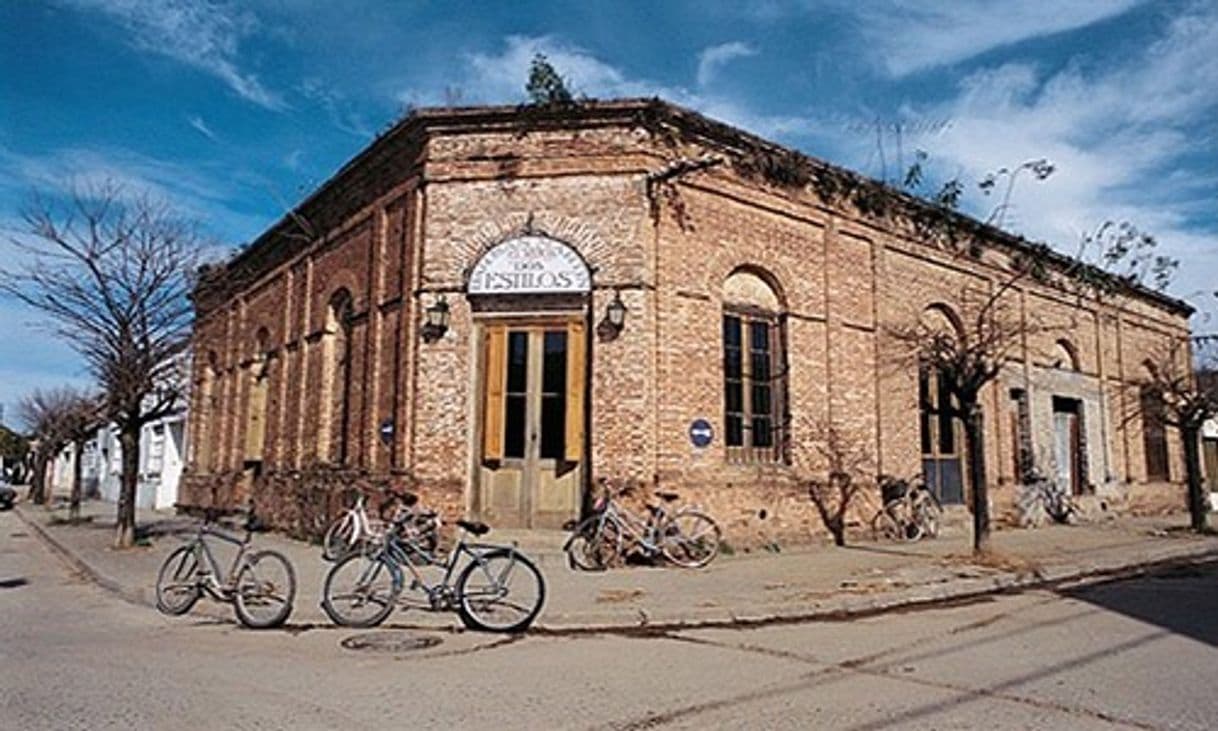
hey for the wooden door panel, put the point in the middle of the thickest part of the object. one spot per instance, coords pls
(517, 486)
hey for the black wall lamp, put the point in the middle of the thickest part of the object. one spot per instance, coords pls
(435, 320)
(615, 318)
(615, 312)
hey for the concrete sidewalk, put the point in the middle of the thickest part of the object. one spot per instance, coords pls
(815, 582)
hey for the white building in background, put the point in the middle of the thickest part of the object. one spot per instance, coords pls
(162, 455)
(1209, 459)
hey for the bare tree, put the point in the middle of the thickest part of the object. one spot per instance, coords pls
(1185, 386)
(112, 273)
(80, 421)
(850, 469)
(965, 353)
(47, 416)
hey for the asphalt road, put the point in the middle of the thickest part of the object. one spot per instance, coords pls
(1133, 654)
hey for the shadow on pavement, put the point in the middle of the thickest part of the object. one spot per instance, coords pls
(1182, 599)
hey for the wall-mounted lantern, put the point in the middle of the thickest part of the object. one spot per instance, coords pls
(615, 312)
(435, 321)
(615, 318)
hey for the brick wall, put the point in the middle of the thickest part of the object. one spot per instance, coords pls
(842, 278)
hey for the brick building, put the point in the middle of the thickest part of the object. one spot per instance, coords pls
(500, 305)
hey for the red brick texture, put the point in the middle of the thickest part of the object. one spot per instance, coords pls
(403, 224)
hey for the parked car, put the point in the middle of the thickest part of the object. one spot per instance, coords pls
(7, 495)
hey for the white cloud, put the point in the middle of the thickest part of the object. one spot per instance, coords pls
(205, 35)
(711, 59)
(911, 35)
(500, 78)
(337, 107)
(201, 126)
(1123, 140)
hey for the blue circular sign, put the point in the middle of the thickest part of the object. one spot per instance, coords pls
(701, 433)
(387, 431)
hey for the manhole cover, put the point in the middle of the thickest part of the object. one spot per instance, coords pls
(390, 642)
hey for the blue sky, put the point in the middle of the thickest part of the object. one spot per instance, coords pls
(234, 112)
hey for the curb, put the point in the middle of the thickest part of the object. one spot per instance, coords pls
(947, 594)
(846, 607)
(131, 595)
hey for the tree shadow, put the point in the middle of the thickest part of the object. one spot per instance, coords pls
(1182, 599)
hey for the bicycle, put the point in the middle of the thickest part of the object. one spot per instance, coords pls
(498, 590)
(261, 585)
(910, 511)
(687, 537)
(1041, 497)
(354, 529)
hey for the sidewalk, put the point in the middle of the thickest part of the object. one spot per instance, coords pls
(812, 582)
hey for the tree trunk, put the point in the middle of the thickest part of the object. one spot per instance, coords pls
(838, 528)
(74, 500)
(129, 442)
(974, 444)
(38, 479)
(1197, 507)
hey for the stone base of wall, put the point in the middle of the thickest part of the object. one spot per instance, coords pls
(776, 513)
(302, 503)
(1109, 501)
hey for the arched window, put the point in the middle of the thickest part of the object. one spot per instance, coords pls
(1154, 430)
(1066, 356)
(336, 347)
(939, 422)
(754, 369)
(255, 415)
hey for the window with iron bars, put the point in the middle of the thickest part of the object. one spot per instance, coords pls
(754, 387)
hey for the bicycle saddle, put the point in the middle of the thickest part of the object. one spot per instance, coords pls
(667, 497)
(475, 527)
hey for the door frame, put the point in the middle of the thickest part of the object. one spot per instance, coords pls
(533, 318)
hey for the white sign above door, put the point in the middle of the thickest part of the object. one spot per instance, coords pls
(530, 265)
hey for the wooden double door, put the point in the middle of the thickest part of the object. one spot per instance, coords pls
(533, 384)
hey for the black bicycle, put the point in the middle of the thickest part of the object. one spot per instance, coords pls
(261, 585)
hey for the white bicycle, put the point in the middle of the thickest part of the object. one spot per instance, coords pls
(355, 529)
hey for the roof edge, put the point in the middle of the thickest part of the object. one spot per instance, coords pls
(419, 122)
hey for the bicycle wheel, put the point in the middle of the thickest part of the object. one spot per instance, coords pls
(266, 589)
(884, 527)
(360, 590)
(339, 538)
(928, 516)
(177, 583)
(894, 523)
(690, 539)
(501, 591)
(593, 546)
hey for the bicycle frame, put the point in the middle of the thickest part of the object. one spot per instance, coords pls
(633, 526)
(440, 593)
(219, 583)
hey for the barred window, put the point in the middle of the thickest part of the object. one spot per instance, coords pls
(754, 372)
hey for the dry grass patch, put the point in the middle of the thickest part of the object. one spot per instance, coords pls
(997, 561)
(615, 596)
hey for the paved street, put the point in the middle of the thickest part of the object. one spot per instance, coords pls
(1135, 654)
